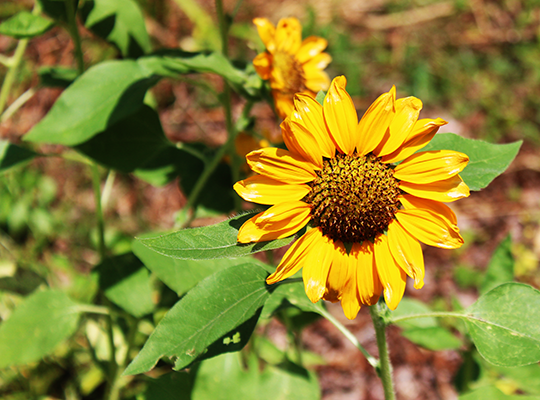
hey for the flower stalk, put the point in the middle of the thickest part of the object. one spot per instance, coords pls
(384, 368)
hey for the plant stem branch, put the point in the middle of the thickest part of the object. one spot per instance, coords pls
(18, 103)
(384, 370)
(74, 32)
(441, 314)
(349, 335)
(99, 213)
(12, 72)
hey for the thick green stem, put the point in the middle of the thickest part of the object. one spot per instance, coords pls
(74, 32)
(384, 368)
(99, 213)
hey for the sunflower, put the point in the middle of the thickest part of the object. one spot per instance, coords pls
(290, 64)
(365, 194)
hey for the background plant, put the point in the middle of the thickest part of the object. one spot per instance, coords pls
(110, 123)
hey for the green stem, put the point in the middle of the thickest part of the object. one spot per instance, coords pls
(99, 213)
(18, 103)
(349, 335)
(384, 369)
(74, 32)
(12, 72)
(441, 314)
(90, 308)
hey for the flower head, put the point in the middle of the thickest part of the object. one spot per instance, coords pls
(290, 64)
(365, 213)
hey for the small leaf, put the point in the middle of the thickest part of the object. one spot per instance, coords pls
(12, 155)
(57, 76)
(216, 306)
(129, 143)
(120, 22)
(492, 393)
(36, 327)
(57, 8)
(171, 386)
(433, 338)
(181, 275)
(320, 97)
(102, 96)
(289, 293)
(505, 325)
(207, 242)
(25, 25)
(526, 378)
(486, 160)
(126, 282)
(500, 268)
(409, 306)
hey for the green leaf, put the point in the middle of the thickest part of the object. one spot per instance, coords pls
(181, 275)
(216, 306)
(492, 393)
(486, 160)
(526, 378)
(57, 8)
(57, 76)
(25, 25)
(126, 282)
(102, 96)
(171, 386)
(207, 242)
(289, 293)
(120, 22)
(500, 268)
(12, 155)
(409, 306)
(320, 97)
(505, 325)
(36, 327)
(225, 378)
(433, 338)
(129, 143)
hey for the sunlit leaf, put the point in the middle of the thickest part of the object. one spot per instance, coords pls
(25, 25)
(486, 160)
(433, 338)
(126, 282)
(102, 96)
(12, 155)
(207, 242)
(492, 393)
(505, 325)
(215, 307)
(36, 327)
(500, 268)
(120, 22)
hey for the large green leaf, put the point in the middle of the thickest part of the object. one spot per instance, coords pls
(102, 96)
(215, 241)
(505, 325)
(486, 160)
(492, 393)
(25, 25)
(57, 76)
(526, 378)
(12, 155)
(214, 308)
(120, 22)
(500, 268)
(129, 143)
(181, 275)
(36, 327)
(225, 378)
(126, 282)
(171, 386)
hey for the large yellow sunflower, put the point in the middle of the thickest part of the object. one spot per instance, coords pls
(290, 64)
(365, 213)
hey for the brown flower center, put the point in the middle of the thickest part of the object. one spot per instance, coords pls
(353, 198)
(290, 72)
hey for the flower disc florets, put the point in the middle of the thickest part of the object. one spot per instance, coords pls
(353, 198)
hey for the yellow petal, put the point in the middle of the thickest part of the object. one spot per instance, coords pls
(350, 300)
(279, 221)
(368, 283)
(410, 202)
(263, 65)
(283, 103)
(288, 35)
(338, 275)
(301, 142)
(431, 166)
(422, 132)
(373, 126)
(406, 115)
(316, 80)
(311, 47)
(392, 277)
(447, 190)
(263, 190)
(407, 252)
(340, 115)
(316, 267)
(431, 229)
(281, 165)
(317, 64)
(307, 119)
(266, 32)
